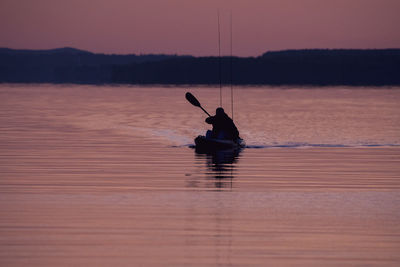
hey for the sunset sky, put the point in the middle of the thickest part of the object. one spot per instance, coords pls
(190, 27)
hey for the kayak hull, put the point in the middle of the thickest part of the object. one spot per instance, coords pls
(210, 144)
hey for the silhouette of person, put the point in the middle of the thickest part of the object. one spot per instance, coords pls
(223, 126)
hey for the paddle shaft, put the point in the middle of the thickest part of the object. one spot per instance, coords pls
(205, 111)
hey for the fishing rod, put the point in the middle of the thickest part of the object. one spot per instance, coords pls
(231, 66)
(230, 61)
(219, 61)
(191, 98)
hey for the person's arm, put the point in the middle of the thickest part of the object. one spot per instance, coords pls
(210, 120)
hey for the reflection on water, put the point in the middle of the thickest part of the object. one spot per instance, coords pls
(221, 166)
(103, 176)
(214, 170)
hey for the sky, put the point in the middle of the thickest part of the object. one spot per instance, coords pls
(190, 27)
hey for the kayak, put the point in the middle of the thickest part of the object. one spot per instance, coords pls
(212, 144)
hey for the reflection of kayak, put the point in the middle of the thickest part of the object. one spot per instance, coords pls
(212, 144)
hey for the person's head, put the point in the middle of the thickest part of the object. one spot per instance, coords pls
(219, 112)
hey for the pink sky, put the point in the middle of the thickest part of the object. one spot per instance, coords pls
(190, 27)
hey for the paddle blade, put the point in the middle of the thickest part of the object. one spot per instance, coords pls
(192, 99)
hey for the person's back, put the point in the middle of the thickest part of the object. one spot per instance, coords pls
(223, 126)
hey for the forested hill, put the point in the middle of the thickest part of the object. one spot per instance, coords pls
(290, 67)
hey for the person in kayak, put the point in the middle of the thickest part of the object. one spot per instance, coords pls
(223, 126)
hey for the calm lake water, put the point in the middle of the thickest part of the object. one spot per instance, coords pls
(105, 176)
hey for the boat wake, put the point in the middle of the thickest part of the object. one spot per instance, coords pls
(168, 135)
(180, 139)
(307, 145)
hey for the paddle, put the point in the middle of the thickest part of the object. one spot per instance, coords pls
(195, 102)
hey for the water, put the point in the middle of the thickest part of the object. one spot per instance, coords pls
(105, 176)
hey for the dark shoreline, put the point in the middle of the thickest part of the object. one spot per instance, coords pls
(316, 67)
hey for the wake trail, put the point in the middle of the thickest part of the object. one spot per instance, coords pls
(307, 145)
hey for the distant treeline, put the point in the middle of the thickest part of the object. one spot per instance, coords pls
(291, 67)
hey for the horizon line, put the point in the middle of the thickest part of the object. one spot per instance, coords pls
(188, 55)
